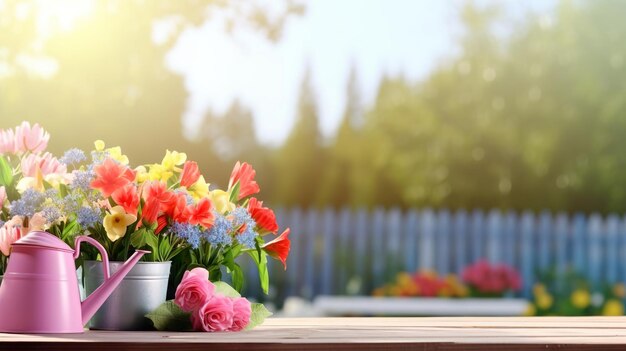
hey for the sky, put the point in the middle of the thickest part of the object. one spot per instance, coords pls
(378, 37)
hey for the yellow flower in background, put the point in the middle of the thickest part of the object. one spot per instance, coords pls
(35, 182)
(619, 290)
(221, 201)
(580, 298)
(530, 310)
(115, 223)
(613, 307)
(116, 154)
(199, 189)
(113, 152)
(544, 301)
(539, 289)
(173, 159)
(141, 174)
(99, 145)
(158, 172)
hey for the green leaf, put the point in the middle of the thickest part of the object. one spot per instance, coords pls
(260, 258)
(6, 172)
(259, 313)
(138, 238)
(238, 278)
(225, 289)
(234, 194)
(169, 316)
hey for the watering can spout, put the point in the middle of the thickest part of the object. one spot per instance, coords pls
(91, 304)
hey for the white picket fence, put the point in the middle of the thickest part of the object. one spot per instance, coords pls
(352, 252)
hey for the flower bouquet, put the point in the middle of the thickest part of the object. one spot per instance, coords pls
(166, 208)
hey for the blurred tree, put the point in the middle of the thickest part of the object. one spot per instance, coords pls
(91, 69)
(300, 161)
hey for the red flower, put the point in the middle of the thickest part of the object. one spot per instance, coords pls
(111, 176)
(127, 197)
(176, 207)
(161, 223)
(244, 174)
(150, 210)
(279, 247)
(200, 213)
(158, 190)
(190, 174)
(263, 216)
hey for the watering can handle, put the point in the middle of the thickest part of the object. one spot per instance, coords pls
(103, 253)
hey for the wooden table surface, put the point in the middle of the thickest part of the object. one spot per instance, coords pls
(445, 333)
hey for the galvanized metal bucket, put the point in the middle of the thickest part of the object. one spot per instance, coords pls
(141, 291)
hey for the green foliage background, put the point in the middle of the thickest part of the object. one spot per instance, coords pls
(531, 119)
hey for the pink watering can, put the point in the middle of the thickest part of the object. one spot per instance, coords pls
(39, 291)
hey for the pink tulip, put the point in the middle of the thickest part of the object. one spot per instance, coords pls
(7, 142)
(8, 235)
(47, 163)
(33, 139)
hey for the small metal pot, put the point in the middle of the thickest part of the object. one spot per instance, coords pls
(141, 291)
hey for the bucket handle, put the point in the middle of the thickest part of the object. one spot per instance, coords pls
(103, 253)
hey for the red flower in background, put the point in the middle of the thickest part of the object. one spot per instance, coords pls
(176, 207)
(157, 190)
(491, 279)
(264, 217)
(127, 197)
(111, 176)
(279, 247)
(150, 210)
(200, 213)
(161, 223)
(244, 174)
(190, 174)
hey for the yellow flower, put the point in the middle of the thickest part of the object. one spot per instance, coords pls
(619, 290)
(116, 154)
(580, 298)
(544, 301)
(199, 189)
(141, 174)
(115, 223)
(173, 159)
(99, 145)
(613, 307)
(113, 152)
(158, 172)
(221, 201)
(530, 310)
(539, 289)
(35, 182)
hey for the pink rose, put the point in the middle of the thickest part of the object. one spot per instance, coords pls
(194, 290)
(241, 313)
(215, 315)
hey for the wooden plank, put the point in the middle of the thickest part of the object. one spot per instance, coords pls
(427, 240)
(545, 241)
(611, 248)
(494, 236)
(477, 236)
(443, 241)
(527, 251)
(329, 253)
(579, 243)
(410, 241)
(458, 333)
(594, 250)
(460, 240)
